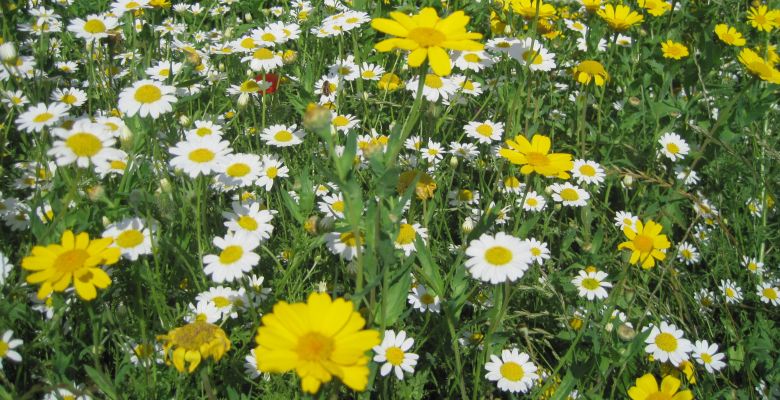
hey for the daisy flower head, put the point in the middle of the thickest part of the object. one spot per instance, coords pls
(84, 143)
(485, 132)
(119, 7)
(237, 170)
(473, 60)
(533, 202)
(7, 347)
(94, 27)
(435, 87)
(272, 169)
(71, 97)
(318, 339)
(407, 236)
(147, 98)
(14, 98)
(131, 237)
(535, 156)
(203, 311)
(569, 195)
(647, 389)
(283, 135)
(250, 220)
(753, 265)
(76, 259)
(40, 116)
(646, 243)
(193, 343)
(199, 154)
(371, 72)
(343, 244)
(427, 37)
(344, 122)
(591, 285)
(5, 268)
(465, 151)
(759, 18)
(394, 353)
(264, 59)
(687, 253)
(235, 259)
(460, 197)
(498, 258)
(668, 344)
(588, 172)
(707, 355)
(533, 54)
(513, 372)
(768, 293)
(423, 300)
(673, 146)
(758, 66)
(620, 17)
(539, 250)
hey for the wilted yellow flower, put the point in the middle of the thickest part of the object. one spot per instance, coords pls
(589, 70)
(425, 184)
(194, 342)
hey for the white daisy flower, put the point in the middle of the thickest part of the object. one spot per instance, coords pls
(394, 353)
(115, 163)
(588, 172)
(421, 299)
(687, 253)
(463, 197)
(71, 97)
(40, 116)
(205, 128)
(345, 69)
(673, 146)
(235, 259)
(199, 155)
(569, 195)
(513, 372)
(5, 268)
(271, 170)
(533, 202)
(147, 98)
(344, 122)
(753, 265)
(131, 237)
(227, 300)
(485, 132)
(164, 70)
(731, 291)
(342, 244)
(498, 258)
(532, 53)
(668, 344)
(407, 235)
(501, 44)
(238, 170)
(264, 59)
(473, 60)
(371, 72)
(250, 219)
(7, 347)
(539, 250)
(591, 284)
(203, 311)
(120, 7)
(94, 27)
(624, 219)
(707, 355)
(283, 135)
(84, 143)
(768, 293)
(434, 87)
(332, 205)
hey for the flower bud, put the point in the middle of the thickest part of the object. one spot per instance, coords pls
(184, 120)
(628, 181)
(126, 137)
(248, 17)
(289, 57)
(7, 52)
(243, 100)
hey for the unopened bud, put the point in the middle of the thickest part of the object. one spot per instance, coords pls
(289, 57)
(7, 52)
(165, 185)
(126, 137)
(626, 333)
(634, 101)
(243, 100)
(248, 17)
(95, 192)
(453, 162)
(628, 181)
(311, 225)
(185, 121)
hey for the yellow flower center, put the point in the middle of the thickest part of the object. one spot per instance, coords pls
(590, 284)
(238, 170)
(247, 223)
(132, 5)
(249, 86)
(666, 342)
(406, 234)
(643, 243)
(338, 206)
(43, 117)
(536, 252)
(498, 255)
(348, 238)
(433, 81)
(687, 254)
(512, 371)
(147, 94)
(84, 144)
(426, 37)
(394, 355)
(195, 335)
(247, 43)
(263, 54)
(68, 99)
(340, 121)
(532, 57)
(268, 37)
(3, 348)
(118, 164)
(427, 299)
(658, 396)
(95, 26)
(70, 260)
(672, 148)
(129, 239)
(770, 293)
(465, 195)
(752, 266)
(344, 70)
(203, 131)
(569, 194)
(485, 130)
(314, 347)
(537, 159)
(532, 202)
(730, 292)
(201, 155)
(587, 170)
(283, 136)
(706, 358)
(231, 254)
(271, 172)
(727, 37)
(368, 74)
(221, 301)
(473, 58)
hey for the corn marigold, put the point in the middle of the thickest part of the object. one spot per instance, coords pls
(194, 342)
(646, 243)
(535, 156)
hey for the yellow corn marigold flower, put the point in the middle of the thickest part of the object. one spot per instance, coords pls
(758, 66)
(427, 36)
(527, 8)
(389, 82)
(194, 342)
(76, 259)
(589, 70)
(424, 187)
(319, 339)
(656, 8)
(761, 18)
(620, 17)
(729, 35)
(591, 6)
(672, 49)
(646, 243)
(535, 156)
(647, 389)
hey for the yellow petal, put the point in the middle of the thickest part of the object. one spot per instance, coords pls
(417, 57)
(68, 240)
(178, 358)
(647, 383)
(670, 384)
(100, 278)
(389, 26)
(453, 23)
(192, 357)
(439, 60)
(82, 240)
(462, 45)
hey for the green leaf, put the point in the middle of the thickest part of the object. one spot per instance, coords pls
(103, 382)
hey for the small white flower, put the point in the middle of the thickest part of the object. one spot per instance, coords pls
(394, 353)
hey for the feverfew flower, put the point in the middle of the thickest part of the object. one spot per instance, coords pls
(513, 372)
(394, 353)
